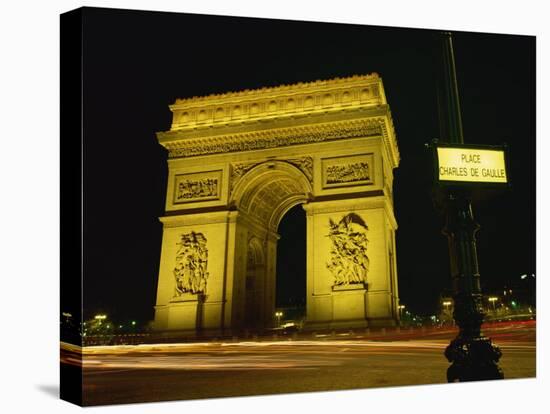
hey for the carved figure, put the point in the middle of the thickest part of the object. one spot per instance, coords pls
(238, 170)
(349, 262)
(305, 164)
(205, 187)
(348, 173)
(191, 261)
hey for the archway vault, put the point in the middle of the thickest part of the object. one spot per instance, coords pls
(237, 163)
(269, 190)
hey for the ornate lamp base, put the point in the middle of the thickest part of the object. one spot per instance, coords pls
(473, 359)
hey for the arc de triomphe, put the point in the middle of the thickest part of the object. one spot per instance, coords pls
(238, 162)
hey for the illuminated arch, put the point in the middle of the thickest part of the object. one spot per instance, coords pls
(269, 190)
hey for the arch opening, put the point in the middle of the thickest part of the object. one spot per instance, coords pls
(291, 265)
(264, 196)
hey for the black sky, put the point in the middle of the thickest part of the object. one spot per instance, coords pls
(137, 63)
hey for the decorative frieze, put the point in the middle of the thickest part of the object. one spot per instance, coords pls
(192, 187)
(349, 263)
(348, 171)
(273, 138)
(190, 271)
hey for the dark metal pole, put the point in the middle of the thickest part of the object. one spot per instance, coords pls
(451, 98)
(472, 355)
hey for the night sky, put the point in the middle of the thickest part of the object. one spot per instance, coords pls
(137, 63)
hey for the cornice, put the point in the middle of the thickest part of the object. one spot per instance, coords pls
(300, 87)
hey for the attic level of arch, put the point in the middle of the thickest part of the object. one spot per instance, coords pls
(316, 112)
(277, 102)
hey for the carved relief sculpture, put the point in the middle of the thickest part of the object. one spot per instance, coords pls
(206, 187)
(197, 187)
(305, 164)
(238, 170)
(348, 171)
(349, 263)
(191, 261)
(270, 139)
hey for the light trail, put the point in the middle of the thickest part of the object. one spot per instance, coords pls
(270, 355)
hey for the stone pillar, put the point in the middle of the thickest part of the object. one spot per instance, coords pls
(348, 284)
(208, 310)
(270, 279)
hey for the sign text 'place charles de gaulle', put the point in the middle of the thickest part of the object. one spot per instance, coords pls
(471, 165)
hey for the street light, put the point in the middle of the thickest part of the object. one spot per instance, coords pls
(493, 299)
(100, 318)
(447, 303)
(278, 314)
(447, 313)
(472, 355)
(401, 307)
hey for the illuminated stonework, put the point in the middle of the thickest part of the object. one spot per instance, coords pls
(349, 262)
(191, 262)
(346, 171)
(193, 187)
(237, 162)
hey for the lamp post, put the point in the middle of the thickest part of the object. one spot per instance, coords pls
(67, 316)
(100, 318)
(472, 355)
(530, 286)
(448, 316)
(493, 299)
(401, 307)
(278, 314)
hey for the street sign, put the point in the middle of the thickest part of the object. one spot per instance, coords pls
(473, 165)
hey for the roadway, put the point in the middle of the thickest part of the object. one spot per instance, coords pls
(159, 372)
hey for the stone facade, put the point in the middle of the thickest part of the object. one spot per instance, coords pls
(237, 163)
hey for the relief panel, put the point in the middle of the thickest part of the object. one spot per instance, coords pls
(190, 272)
(193, 187)
(348, 171)
(349, 263)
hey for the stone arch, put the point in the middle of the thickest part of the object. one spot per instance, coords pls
(255, 254)
(267, 191)
(243, 160)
